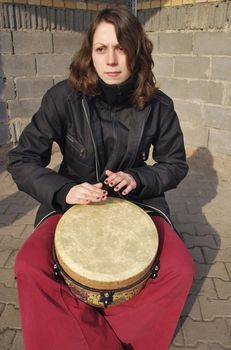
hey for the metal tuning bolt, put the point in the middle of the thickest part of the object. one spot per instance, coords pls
(56, 270)
(106, 298)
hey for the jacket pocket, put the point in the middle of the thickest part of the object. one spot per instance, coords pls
(73, 146)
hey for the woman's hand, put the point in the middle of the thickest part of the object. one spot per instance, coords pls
(86, 193)
(120, 180)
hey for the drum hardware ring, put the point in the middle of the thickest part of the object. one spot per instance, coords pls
(106, 298)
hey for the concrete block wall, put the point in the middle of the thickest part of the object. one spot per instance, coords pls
(31, 62)
(193, 65)
(192, 54)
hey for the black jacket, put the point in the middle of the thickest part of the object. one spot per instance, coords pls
(68, 118)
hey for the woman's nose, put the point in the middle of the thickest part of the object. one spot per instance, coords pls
(111, 57)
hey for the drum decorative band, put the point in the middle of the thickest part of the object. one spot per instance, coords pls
(106, 251)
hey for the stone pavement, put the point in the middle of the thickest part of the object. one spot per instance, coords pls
(201, 213)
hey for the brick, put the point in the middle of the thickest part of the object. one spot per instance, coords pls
(223, 255)
(197, 255)
(5, 42)
(34, 2)
(155, 4)
(216, 346)
(191, 67)
(154, 39)
(176, 88)
(163, 66)
(207, 332)
(217, 117)
(223, 242)
(53, 64)
(220, 67)
(192, 309)
(199, 346)
(6, 339)
(221, 15)
(175, 43)
(212, 308)
(7, 277)
(11, 259)
(212, 43)
(228, 266)
(18, 65)
(46, 3)
(7, 89)
(199, 241)
(67, 42)
(4, 256)
(58, 3)
(8, 294)
(11, 243)
(188, 111)
(24, 108)
(3, 112)
(58, 79)
(204, 287)
(166, 3)
(229, 95)
(18, 342)
(32, 42)
(216, 270)
(10, 318)
(219, 141)
(205, 91)
(32, 87)
(223, 288)
(195, 135)
(4, 134)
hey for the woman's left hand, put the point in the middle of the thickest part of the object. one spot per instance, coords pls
(120, 180)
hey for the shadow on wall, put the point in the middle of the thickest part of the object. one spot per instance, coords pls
(186, 204)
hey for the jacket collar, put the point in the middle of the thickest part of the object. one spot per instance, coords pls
(117, 94)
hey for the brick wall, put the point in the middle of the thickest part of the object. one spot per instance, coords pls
(192, 53)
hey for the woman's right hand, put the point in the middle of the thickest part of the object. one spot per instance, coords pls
(86, 193)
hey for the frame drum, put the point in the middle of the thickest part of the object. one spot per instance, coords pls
(106, 251)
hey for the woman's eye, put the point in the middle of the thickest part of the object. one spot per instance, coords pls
(100, 49)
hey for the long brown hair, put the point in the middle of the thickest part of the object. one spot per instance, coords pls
(135, 43)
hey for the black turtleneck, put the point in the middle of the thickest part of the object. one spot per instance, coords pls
(117, 94)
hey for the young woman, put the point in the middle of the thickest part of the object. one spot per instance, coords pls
(105, 118)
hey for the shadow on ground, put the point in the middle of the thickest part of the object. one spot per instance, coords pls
(187, 205)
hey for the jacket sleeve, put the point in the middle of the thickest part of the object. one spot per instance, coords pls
(169, 166)
(28, 161)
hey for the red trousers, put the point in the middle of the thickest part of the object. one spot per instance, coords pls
(53, 319)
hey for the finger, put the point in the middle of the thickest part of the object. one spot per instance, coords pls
(96, 189)
(98, 185)
(121, 184)
(128, 189)
(110, 178)
(84, 192)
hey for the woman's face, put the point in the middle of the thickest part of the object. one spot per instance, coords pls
(109, 58)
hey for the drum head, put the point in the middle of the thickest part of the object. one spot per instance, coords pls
(106, 245)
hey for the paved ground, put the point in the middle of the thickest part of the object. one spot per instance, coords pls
(201, 212)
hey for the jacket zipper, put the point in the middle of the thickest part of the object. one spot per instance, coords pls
(79, 149)
(97, 168)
